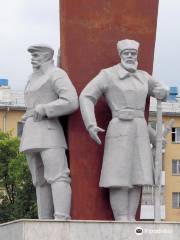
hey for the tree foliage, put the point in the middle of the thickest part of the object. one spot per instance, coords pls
(17, 195)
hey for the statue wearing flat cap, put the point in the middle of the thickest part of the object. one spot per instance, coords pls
(127, 161)
(49, 94)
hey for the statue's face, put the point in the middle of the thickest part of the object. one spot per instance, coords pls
(37, 60)
(129, 59)
(129, 56)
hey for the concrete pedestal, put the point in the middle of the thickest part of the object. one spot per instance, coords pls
(89, 230)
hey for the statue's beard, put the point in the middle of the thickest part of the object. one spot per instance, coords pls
(130, 66)
(35, 65)
(35, 68)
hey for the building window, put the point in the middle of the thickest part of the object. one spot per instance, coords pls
(176, 135)
(176, 167)
(176, 199)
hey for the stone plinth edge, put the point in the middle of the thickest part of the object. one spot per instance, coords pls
(88, 230)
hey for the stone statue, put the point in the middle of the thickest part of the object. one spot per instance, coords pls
(127, 161)
(49, 94)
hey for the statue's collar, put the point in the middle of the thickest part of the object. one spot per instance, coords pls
(45, 67)
(122, 72)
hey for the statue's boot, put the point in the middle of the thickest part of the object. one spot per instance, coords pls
(133, 202)
(44, 202)
(43, 189)
(50, 174)
(61, 192)
(57, 175)
(119, 203)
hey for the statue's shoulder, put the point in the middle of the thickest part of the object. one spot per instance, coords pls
(57, 72)
(110, 72)
(144, 73)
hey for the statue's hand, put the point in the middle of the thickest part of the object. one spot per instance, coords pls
(159, 93)
(39, 113)
(93, 132)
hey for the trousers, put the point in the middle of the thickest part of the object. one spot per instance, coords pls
(124, 202)
(50, 176)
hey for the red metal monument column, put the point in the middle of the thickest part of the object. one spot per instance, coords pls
(90, 30)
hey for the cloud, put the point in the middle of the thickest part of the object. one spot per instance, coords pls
(23, 23)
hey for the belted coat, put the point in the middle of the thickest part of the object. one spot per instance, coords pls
(127, 159)
(51, 87)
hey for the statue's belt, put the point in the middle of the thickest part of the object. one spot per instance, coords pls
(128, 114)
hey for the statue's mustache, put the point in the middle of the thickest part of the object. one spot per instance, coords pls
(131, 61)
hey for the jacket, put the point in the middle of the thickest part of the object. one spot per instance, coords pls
(127, 158)
(51, 87)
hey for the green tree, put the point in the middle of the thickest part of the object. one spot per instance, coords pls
(18, 199)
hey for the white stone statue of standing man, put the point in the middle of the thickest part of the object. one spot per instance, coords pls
(49, 94)
(127, 161)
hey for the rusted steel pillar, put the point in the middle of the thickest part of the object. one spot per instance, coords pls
(90, 30)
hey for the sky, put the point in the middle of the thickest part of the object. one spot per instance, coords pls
(26, 22)
(23, 23)
(167, 49)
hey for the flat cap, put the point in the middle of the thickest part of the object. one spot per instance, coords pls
(40, 48)
(127, 44)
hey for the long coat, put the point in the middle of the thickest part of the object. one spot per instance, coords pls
(51, 87)
(127, 159)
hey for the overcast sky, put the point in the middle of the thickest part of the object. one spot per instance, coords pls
(24, 22)
(167, 52)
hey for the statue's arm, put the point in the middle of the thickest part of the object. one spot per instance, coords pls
(157, 89)
(88, 98)
(68, 99)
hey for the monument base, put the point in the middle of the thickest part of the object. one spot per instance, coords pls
(88, 230)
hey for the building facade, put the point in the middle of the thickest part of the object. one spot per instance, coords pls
(11, 108)
(170, 199)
